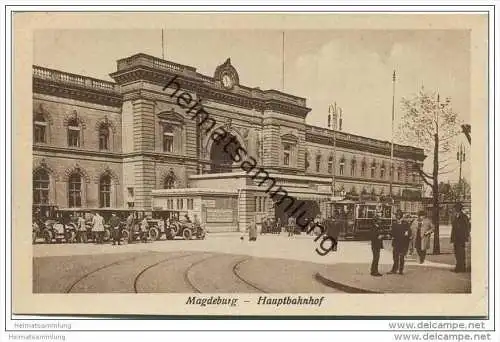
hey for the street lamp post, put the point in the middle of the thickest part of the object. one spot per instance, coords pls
(333, 112)
(461, 159)
(391, 172)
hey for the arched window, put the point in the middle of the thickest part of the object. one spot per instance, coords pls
(168, 138)
(169, 182)
(318, 163)
(104, 137)
(73, 133)
(363, 168)
(39, 129)
(75, 190)
(41, 183)
(330, 164)
(105, 191)
(400, 172)
(353, 167)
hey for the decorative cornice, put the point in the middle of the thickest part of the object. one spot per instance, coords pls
(239, 96)
(57, 83)
(367, 145)
(171, 115)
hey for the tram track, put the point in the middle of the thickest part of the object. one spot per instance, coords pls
(88, 274)
(238, 275)
(144, 270)
(234, 273)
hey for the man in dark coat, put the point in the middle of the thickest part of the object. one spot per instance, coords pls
(460, 232)
(114, 223)
(332, 229)
(376, 244)
(401, 235)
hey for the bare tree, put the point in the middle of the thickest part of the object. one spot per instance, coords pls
(432, 125)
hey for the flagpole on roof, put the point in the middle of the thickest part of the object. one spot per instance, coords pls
(162, 45)
(283, 62)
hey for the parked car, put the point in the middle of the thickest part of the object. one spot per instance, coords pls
(178, 224)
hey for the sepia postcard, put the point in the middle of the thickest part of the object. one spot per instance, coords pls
(245, 164)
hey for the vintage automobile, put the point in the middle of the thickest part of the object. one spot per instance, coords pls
(42, 213)
(178, 224)
(59, 228)
(52, 225)
(136, 233)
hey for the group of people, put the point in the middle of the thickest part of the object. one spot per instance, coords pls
(416, 236)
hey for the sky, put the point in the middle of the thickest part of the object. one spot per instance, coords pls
(350, 67)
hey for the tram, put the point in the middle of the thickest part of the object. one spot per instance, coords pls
(356, 217)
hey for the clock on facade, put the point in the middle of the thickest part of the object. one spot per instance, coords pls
(227, 81)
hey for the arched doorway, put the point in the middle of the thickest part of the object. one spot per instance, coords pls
(220, 159)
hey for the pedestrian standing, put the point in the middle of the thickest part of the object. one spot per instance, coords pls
(460, 234)
(401, 235)
(278, 225)
(130, 225)
(144, 229)
(114, 223)
(291, 226)
(376, 244)
(81, 229)
(421, 231)
(98, 227)
(263, 226)
(252, 230)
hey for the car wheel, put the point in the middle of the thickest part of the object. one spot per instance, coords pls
(187, 234)
(170, 234)
(154, 234)
(176, 227)
(47, 236)
(70, 236)
(125, 235)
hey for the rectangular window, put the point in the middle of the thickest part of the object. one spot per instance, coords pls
(287, 151)
(399, 174)
(168, 142)
(73, 136)
(341, 169)
(372, 174)
(330, 165)
(170, 204)
(39, 133)
(382, 173)
(363, 170)
(190, 204)
(130, 192)
(353, 170)
(180, 203)
(103, 142)
(318, 163)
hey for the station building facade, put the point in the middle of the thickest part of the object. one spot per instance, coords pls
(140, 142)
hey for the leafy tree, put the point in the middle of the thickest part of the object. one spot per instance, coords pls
(431, 124)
